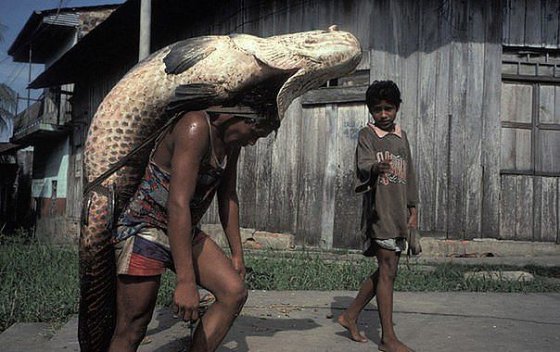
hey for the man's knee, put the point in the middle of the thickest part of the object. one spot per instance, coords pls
(235, 294)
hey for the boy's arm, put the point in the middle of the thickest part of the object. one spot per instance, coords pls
(412, 190)
(367, 166)
(228, 206)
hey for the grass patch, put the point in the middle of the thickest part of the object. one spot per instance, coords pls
(40, 282)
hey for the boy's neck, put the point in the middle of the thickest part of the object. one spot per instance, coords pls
(387, 129)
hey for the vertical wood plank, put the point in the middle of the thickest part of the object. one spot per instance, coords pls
(546, 224)
(458, 94)
(491, 131)
(473, 121)
(442, 132)
(351, 118)
(551, 24)
(312, 164)
(508, 208)
(329, 177)
(284, 175)
(533, 23)
(525, 208)
(517, 11)
(425, 116)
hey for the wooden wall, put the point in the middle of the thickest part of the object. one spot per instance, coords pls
(446, 57)
(531, 23)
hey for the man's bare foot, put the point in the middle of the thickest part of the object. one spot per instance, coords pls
(352, 327)
(394, 346)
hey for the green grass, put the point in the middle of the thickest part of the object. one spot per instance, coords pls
(39, 283)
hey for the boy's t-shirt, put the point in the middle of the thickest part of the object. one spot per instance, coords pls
(386, 197)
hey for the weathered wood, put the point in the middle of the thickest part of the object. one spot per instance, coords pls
(546, 224)
(516, 149)
(312, 165)
(351, 118)
(516, 213)
(335, 95)
(473, 121)
(525, 208)
(517, 100)
(425, 116)
(550, 21)
(459, 55)
(548, 156)
(491, 131)
(329, 177)
(516, 14)
(284, 173)
(444, 77)
(549, 104)
(533, 24)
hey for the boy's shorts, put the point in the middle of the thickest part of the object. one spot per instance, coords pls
(148, 252)
(397, 244)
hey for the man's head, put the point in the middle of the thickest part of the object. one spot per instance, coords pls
(383, 99)
(242, 130)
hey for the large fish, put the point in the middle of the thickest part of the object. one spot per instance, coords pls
(262, 75)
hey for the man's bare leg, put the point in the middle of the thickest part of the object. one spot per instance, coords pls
(136, 299)
(388, 263)
(349, 318)
(216, 274)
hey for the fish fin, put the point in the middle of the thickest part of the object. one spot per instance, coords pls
(195, 96)
(185, 54)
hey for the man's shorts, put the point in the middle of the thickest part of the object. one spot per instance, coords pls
(397, 244)
(148, 252)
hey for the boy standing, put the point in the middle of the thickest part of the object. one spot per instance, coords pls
(385, 177)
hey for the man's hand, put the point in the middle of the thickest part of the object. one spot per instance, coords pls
(186, 301)
(239, 265)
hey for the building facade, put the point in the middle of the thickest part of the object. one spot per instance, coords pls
(481, 89)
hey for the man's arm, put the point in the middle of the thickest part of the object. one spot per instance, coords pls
(228, 206)
(190, 136)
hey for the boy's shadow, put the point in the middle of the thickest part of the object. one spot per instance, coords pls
(176, 333)
(368, 321)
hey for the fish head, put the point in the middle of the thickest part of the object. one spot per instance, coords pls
(304, 60)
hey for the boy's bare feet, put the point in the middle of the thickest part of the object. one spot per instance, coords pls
(352, 327)
(394, 346)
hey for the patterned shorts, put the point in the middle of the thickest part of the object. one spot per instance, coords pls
(148, 252)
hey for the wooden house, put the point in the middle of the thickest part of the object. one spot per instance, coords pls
(481, 104)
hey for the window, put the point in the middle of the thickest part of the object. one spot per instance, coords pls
(530, 113)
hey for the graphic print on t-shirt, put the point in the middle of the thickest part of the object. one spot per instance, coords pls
(397, 173)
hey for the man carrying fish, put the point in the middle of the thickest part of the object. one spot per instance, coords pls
(192, 160)
(205, 97)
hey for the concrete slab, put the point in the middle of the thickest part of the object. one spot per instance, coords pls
(275, 321)
(25, 337)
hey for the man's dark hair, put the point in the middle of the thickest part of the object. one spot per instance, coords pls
(382, 90)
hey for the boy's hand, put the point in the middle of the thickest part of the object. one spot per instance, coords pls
(383, 167)
(186, 301)
(413, 218)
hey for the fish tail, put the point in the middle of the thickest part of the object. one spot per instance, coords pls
(97, 311)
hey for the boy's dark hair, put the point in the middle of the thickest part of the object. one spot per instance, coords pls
(382, 90)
